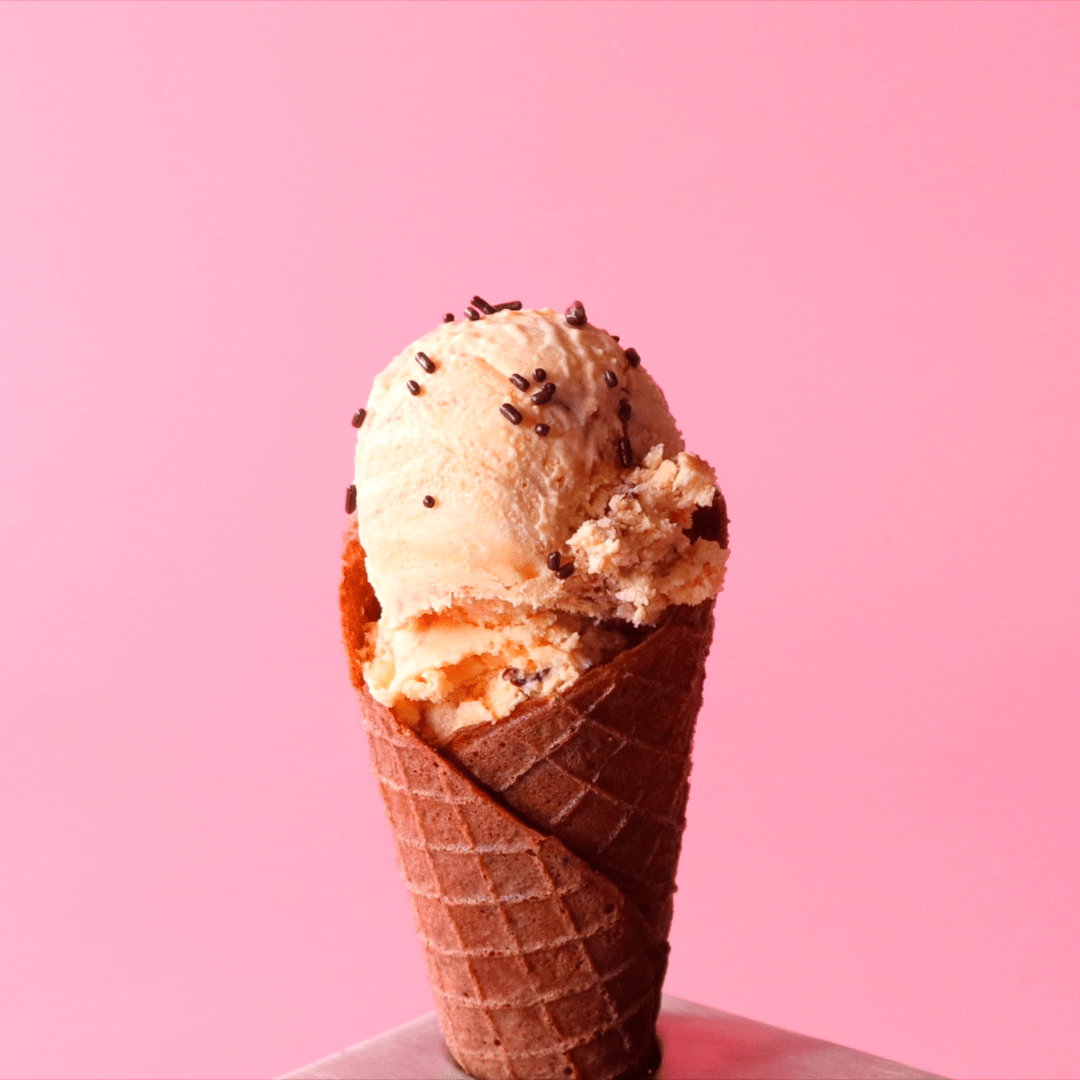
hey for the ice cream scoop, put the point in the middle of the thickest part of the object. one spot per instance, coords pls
(523, 500)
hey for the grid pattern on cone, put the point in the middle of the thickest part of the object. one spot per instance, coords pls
(544, 963)
(539, 964)
(605, 766)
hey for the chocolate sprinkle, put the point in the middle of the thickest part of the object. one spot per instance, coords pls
(510, 305)
(566, 571)
(510, 412)
(519, 381)
(520, 678)
(626, 410)
(350, 498)
(448, 317)
(626, 453)
(614, 337)
(554, 560)
(575, 314)
(710, 522)
(358, 417)
(632, 357)
(611, 378)
(540, 375)
(429, 501)
(515, 675)
(483, 305)
(414, 387)
(425, 362)
(541, 429)
(544, 394)
(472, 314)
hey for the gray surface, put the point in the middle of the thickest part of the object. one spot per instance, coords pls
(698, 1043)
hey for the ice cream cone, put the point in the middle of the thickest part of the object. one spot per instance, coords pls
(540, 852)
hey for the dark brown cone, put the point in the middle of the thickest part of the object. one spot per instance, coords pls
(542, 965)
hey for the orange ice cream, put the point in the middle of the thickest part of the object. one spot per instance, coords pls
(524, 501)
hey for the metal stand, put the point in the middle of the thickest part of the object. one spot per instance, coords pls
(697, 1043)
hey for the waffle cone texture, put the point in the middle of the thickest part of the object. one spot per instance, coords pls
(540, 853)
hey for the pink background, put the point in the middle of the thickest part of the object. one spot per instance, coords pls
(844, 237)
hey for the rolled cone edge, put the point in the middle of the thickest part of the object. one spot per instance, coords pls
(605, 766)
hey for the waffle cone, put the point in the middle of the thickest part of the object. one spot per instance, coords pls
(540, 853)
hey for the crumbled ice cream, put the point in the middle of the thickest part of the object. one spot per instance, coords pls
(639, 553)
(474, 502)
